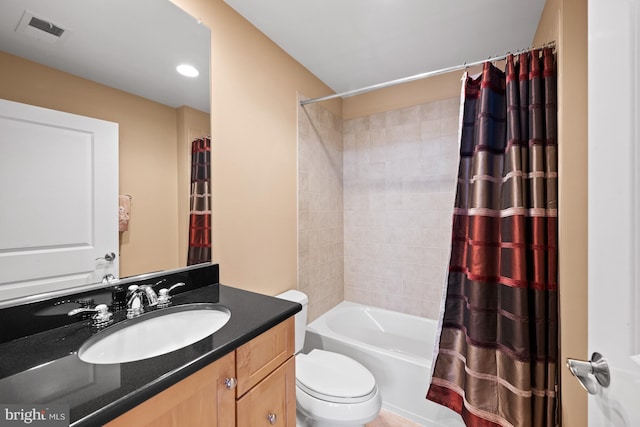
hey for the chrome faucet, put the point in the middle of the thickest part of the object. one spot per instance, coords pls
(134, 302)
(137, 295)
(152, 297)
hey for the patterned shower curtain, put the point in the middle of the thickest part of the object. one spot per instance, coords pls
(200, 203)
(496, 362)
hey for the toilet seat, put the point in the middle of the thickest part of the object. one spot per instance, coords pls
(333, 377)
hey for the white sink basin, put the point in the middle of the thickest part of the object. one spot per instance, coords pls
(154, 333)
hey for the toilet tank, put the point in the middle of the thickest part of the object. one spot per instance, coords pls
(301, 317)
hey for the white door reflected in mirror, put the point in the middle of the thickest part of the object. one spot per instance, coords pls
(59, 174)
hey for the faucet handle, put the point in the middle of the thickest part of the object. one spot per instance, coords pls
(164, 299)
(101, 318)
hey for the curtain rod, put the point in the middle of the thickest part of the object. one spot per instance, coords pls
(415, 77)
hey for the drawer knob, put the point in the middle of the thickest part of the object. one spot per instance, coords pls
(231, 383)
(272, 418)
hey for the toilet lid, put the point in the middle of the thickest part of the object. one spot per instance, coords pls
(334, 377)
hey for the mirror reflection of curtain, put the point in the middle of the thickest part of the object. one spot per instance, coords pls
(497, 357)
(200, 203)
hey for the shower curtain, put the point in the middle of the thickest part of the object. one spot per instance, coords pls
(496, 360)
(200, 203)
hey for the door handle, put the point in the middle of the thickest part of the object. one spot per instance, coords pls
(586, 370)
(109, 257)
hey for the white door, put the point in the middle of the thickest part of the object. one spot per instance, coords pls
(58, 200)
(614, 214)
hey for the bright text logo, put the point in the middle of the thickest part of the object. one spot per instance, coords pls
(34, 415)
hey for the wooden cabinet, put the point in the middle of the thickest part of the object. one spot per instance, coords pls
(264, 369)
(263, 354)
(201, 399)
(267, 379)
(273, 401)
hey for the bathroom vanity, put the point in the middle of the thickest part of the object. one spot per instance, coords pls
(255, 384)
(241, 375)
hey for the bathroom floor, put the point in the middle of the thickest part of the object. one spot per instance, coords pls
(389, 419)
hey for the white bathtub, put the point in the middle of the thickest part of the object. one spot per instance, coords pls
(395, 347)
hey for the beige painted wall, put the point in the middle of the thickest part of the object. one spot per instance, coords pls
(254, 90)
(147, 153)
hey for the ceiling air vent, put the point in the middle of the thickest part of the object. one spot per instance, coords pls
(47, 27)
(41, 28)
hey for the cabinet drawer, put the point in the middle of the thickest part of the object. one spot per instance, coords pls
(272, 402)
(260, 356)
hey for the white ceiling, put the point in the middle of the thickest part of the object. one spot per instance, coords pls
(134, 46)
(350, 44)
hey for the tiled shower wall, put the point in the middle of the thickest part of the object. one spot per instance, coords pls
(375, 200)
(400, 170)
(320, 213)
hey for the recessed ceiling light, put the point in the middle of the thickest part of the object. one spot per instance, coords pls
(187, 70)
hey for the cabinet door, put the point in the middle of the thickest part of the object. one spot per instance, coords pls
(273, 401)
(199, 400)
(257, 358)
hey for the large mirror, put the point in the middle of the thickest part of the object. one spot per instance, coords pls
(116, 60)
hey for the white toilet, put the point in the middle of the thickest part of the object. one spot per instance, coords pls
(332, 390)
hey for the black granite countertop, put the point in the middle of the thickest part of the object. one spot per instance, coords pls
(44, 367)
